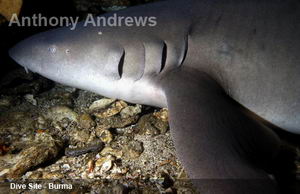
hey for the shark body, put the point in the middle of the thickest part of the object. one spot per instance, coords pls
(226, 70)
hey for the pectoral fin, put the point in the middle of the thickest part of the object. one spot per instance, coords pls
(223, 149)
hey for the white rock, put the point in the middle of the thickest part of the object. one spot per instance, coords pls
(58, 113)
(130, 111)
(29, 98)
(106, 166)
(101, 104)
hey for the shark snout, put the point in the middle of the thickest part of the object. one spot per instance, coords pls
(15, 53)
(26, 53)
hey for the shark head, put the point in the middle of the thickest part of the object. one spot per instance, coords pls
(124, 61)
(87, 59)
(72, 58)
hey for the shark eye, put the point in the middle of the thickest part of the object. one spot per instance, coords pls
(52, 49)
(67, 51)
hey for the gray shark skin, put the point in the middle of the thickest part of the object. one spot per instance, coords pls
(222, 68)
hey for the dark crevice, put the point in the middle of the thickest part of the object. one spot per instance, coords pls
(163, 57)
(121, 65)
(186, 46)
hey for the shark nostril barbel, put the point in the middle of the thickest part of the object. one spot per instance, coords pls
(26, 69)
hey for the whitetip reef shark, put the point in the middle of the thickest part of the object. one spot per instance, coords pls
(227, 70)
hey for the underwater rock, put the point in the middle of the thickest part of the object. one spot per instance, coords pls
(131, 111)
(52, 175)
(78, 135)
(17, 123)
(114, 109)
(19, 83)
(119, 189)
(110, 151)
(100, 127)
(113, 188)
(41, 123)
(117, 121)
(30, 98)
(6, 101)
(133, 149)
(162, 114)
(106, 166)
(118, 115)
(101, 104)
(145, 125)
(165, 180)
(38, 175)
(58, 113)
(105, 136)
(118, 171)
(105, 163)
(85, 121)
(43, 149)
(153, 124)
(34, 175)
